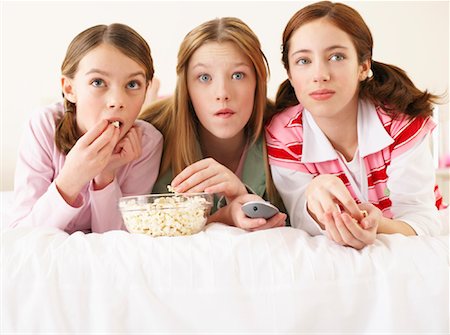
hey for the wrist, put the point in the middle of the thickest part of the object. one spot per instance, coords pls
(241, 191)
(390, 226)
(67, 191)
(222, 215)
(103, 180)
(314, 217)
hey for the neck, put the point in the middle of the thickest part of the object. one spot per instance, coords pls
(227, 152)
(342, 131)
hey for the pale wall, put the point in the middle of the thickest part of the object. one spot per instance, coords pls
(35, 35)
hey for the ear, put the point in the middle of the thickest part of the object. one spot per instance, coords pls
(68, 89)
(289, 75)
(364, 70)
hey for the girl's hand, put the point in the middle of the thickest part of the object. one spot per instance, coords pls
(88, 157)
(126, 150)
(325, 194)
(207, 175)
(344, 230)
(239, 219)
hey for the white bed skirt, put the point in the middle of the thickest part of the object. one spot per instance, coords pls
(222, 280)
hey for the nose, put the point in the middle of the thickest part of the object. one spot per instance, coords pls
(322, 73)
(116, 99)
(222, 90)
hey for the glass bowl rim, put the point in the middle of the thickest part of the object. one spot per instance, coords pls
(141, 200)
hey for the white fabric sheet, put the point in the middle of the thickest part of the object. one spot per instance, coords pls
(222, 280)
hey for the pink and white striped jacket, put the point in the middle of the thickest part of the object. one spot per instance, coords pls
(284, 136)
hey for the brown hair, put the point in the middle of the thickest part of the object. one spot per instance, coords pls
(390, 87)
(175, 117)
(122, 37)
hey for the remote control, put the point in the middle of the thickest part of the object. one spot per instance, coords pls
(259, 209)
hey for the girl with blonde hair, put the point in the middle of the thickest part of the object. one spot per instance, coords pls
(212, 125)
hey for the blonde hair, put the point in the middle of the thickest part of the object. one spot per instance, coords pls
(175, 117)
(122, 37)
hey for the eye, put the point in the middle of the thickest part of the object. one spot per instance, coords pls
(303, 61)
(98, 83)
(134, 85)
(337, 57)
(204, 78)
(238, 75)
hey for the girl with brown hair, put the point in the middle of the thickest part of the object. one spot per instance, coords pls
(351, 136)
(79, 157)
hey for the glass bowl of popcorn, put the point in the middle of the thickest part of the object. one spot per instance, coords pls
(168, 214)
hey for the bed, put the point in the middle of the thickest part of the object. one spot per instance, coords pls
(221, 281)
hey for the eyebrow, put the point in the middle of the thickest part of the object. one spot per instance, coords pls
(333, 47)
(138, 73)
(234, 65)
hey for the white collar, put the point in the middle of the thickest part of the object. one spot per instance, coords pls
(371, 134)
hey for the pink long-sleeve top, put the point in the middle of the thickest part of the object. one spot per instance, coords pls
(37, 201)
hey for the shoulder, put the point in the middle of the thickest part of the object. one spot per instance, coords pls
(149, 133)
(290, 117)
(402, 124)
(38, 138)
(48, 113)
(287, 126)
(405, 130)
(44, 119)
(255, 153)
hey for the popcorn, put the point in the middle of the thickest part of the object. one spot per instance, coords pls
(116, 124)
(173, 215)
(364, 213)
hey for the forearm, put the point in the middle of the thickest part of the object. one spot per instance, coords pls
(68, 189)
(47, 209)
(222, 215)
(240, 190)
(389, 226)
(411, 185)
(105, 215)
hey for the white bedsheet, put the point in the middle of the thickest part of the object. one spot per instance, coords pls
(222, 280)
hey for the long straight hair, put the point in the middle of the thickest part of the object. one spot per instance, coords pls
(175, 116)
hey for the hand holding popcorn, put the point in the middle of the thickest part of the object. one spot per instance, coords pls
(347, 231)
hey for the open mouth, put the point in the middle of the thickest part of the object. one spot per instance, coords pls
(116, 124)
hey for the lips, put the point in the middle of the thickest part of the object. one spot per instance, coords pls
(116, 122)
(322, 94)
(224, 113)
